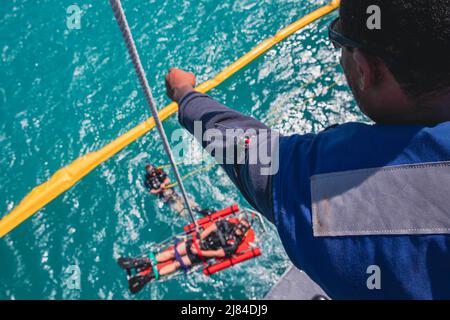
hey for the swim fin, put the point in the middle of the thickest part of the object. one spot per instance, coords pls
(138, 282)
(134, 263)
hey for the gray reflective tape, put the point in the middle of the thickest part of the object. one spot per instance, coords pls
(406, 199)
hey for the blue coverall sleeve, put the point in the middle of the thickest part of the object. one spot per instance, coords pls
(247, 177)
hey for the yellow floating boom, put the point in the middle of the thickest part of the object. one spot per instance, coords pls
(66, 177)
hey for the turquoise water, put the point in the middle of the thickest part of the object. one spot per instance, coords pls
(64, 93)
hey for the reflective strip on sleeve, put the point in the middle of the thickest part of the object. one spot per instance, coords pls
(406, 199)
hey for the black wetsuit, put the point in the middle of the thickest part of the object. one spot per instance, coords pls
(224, 238)
(155, 179)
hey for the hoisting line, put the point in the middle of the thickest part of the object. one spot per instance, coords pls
(132, 50)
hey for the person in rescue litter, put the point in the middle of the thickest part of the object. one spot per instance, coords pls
(362, 208)
(221, 239)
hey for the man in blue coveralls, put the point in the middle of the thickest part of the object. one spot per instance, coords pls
(358, 200)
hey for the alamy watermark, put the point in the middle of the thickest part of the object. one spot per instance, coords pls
(73, 20)
(73, 277)
(374, 20)
(231, 146)
(374, 280)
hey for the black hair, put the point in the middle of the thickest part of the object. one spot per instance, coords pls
(416, 33)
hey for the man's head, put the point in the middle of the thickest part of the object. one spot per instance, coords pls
(399, 73)
(149, 168)
(242, 227)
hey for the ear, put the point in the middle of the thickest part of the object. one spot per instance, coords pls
(365, 70)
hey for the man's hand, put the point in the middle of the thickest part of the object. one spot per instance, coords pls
(155, 191)
(193, 249)
(179, 83)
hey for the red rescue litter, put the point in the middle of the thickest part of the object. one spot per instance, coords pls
(232, 261)
(219, 214)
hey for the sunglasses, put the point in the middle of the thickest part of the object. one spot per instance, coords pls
(340, 41)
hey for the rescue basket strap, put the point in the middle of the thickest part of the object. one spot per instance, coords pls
(155, 269)
(197, 247)
(179, 258)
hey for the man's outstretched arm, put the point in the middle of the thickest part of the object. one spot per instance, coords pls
(237, 140)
